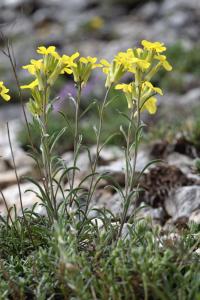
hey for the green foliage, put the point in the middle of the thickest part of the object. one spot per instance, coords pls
(66, 255)
(94, 266)
(57, 122)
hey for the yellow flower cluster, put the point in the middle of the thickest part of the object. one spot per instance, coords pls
(47, 69)
(4, 92)
(143, 64)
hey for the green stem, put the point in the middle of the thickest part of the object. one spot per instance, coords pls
(129, 183)
(128, 153)
(47, 158)
(94, 167)
(90, 194)
(136, 143)
(76, 135)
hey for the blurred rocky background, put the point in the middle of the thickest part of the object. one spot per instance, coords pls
(102, 28)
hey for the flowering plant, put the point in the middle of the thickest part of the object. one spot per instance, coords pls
(141, 64)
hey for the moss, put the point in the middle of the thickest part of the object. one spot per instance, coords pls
(65, 266)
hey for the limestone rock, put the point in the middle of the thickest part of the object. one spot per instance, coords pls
(195, 216)
(183, 201)
(183, 162)
(8, 177)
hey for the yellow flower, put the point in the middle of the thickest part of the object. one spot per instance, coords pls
(126, 88)
(34, 66)
(148, 101)
(130, 62)
(138, 63)
(82, 68)
(129, 92)
(4, 92)
(125, 58)
(106, 66)
(163, 60)
(68, 62)
(156, 46)
(152, 88)
(90, 60)
(31, 85)
(45, 51)
(114, 71)
(150, 105)
(146, 94)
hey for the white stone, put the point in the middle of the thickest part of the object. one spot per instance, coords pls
(195, 217)
(183, 201)
(181, 161)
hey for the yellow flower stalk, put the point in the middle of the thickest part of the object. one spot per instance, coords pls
(4, 92)
(142, 64)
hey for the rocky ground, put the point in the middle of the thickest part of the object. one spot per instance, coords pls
(172, 189)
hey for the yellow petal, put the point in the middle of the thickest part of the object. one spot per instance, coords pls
(75, 55)
(32, 85)
(83, 60)
(105, 63)
(157, 46)
(167, 66)
(67, 70)
(119, 86)
(5, 97)
(150, 105)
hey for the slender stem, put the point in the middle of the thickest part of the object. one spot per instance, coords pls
(97, 148)
(128, 153)
(136, 142)
(47, 155)
(94, 166)
(76, 135)
(129, 184)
